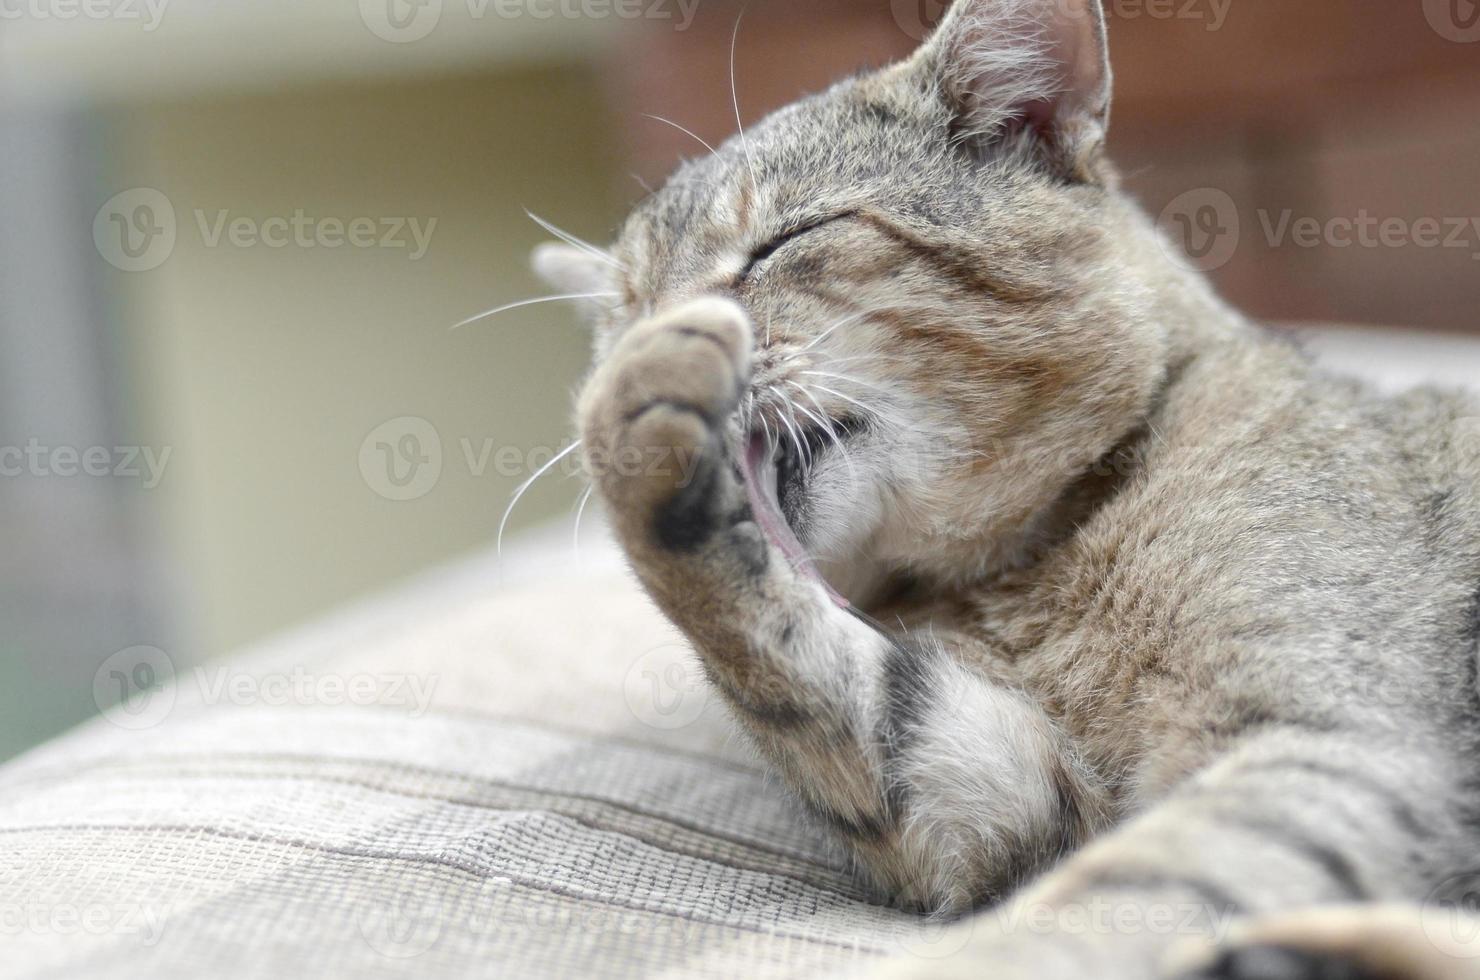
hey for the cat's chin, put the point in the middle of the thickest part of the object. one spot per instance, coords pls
(761, 487)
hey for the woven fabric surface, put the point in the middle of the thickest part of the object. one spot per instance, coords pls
(485, 775)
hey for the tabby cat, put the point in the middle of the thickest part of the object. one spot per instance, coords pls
(1042, 576)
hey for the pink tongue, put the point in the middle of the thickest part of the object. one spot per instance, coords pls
(760, 487)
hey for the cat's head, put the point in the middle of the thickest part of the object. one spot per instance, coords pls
(953, 303)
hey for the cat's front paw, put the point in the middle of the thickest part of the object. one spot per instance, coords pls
(657, 422)
(1282, 963)
(1355, 942)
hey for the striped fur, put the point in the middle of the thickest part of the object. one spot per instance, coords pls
(1144, 615)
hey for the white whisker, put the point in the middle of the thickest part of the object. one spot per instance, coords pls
(524, 488)
(872, 357)
(849, 379)
(735, 99)
(828, 427)
(811, 397)
(831, 425)
(766, 427)
(833, 329)
(683, 129)
(796, 437)
(823, 423)
(876, 413)
(580, 243)
(530, 302)
(791, 409)
(581, 512)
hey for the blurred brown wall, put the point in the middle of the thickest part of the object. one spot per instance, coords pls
(1250, 116)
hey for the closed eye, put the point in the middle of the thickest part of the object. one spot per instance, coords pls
(776, 244)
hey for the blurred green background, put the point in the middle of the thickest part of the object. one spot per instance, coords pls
(255, 374)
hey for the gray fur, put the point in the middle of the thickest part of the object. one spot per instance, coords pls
(1145, 611)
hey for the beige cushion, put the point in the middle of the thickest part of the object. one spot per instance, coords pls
(543, 788)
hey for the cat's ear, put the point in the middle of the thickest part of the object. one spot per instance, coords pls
(572, 270)
(1040, 68)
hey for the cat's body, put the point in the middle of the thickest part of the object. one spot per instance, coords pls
(1134, 595)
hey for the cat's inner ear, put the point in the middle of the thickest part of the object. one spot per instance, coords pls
(1040, 67)
(572, 270)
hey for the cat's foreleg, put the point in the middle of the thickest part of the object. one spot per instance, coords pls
(1439, 940)
(1279, 829)
(949, 787)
